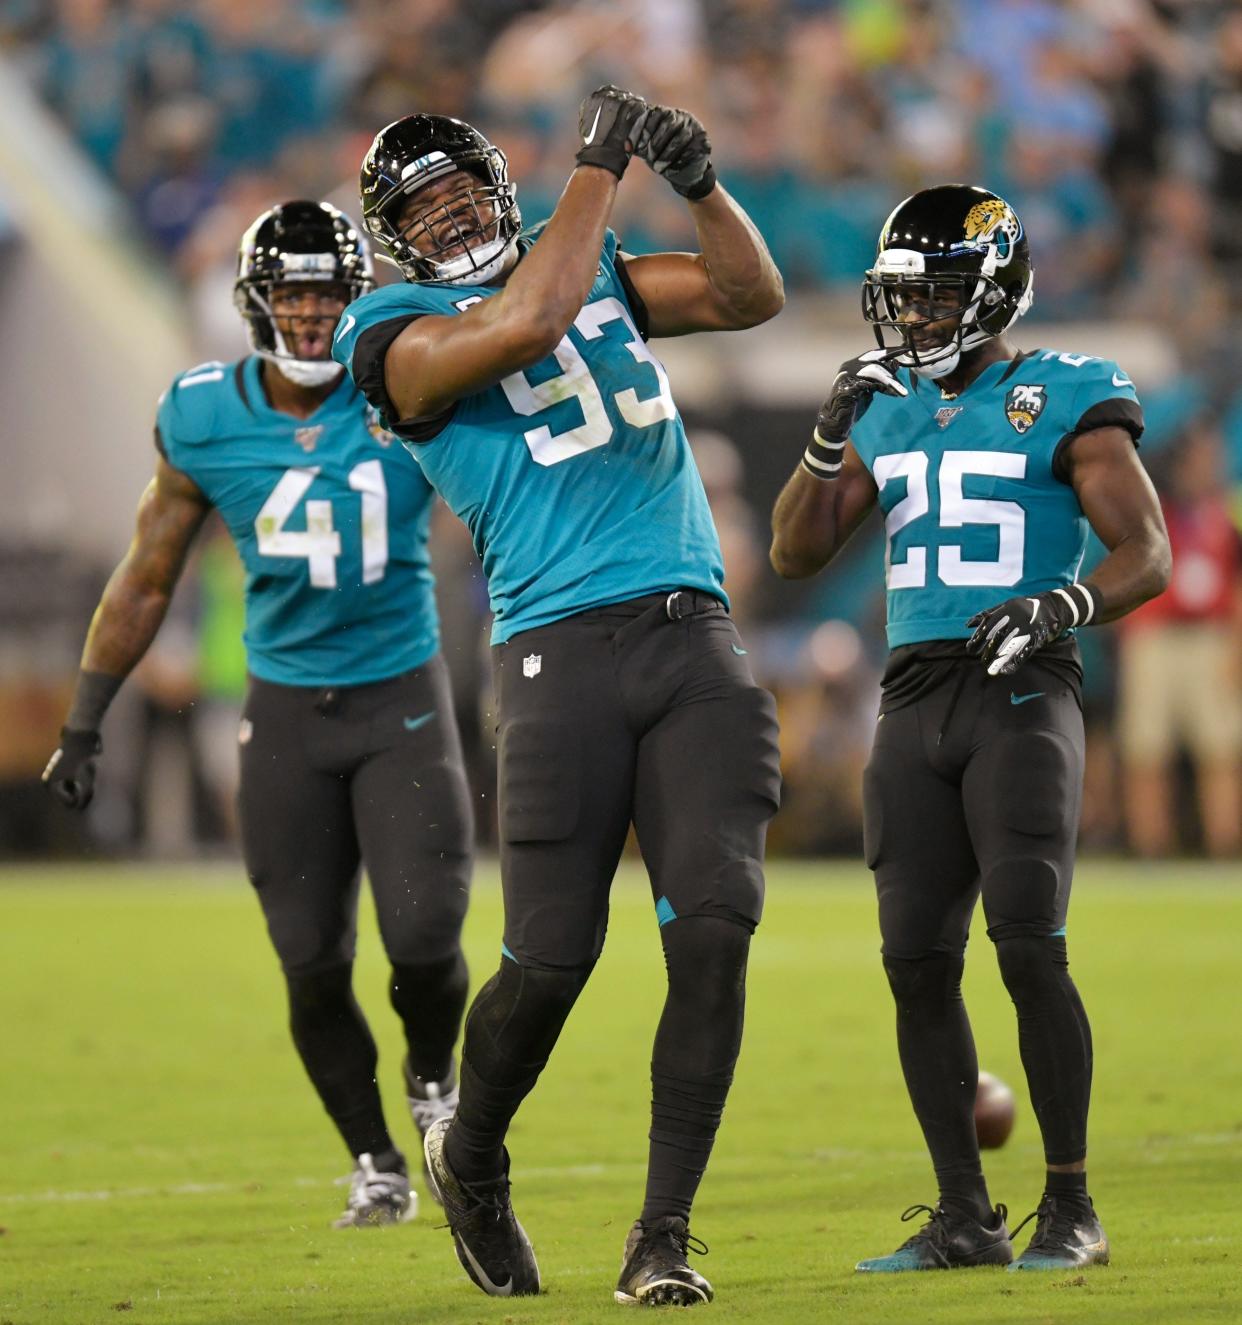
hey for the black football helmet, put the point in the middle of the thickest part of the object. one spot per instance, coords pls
(952, 251)
(468, 238)
(297, 241)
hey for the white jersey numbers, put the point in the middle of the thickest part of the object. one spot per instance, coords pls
(319, 542)
(953, 511)
(575, 381)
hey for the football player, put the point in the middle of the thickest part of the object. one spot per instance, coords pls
(990, 465)
(515, 365)
(349, 750)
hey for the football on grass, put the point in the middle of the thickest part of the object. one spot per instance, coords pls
(994, 1112)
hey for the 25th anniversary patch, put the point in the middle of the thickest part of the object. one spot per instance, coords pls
(1023, 405)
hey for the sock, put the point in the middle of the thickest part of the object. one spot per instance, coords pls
(339, 1055)
(1054, 1038)
(937, 1052)
(430, 998)
(696, 1048)
(1069, 1189)
(389, 1161)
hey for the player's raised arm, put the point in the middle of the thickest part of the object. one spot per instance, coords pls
(831, 492)
(437, 360)
(732, 282)
(129, 614)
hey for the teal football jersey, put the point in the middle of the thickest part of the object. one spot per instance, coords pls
(977, 507)
(329, 517)
(574, 477)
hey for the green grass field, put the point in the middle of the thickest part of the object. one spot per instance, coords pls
(165, 1161)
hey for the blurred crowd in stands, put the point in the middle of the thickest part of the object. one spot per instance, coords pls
(1113, 126)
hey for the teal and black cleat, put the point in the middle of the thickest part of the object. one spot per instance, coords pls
(491, 1245)
(948, 1241)
(1066, 1237)
(654, 1272)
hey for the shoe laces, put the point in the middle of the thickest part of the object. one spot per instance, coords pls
(935, 1230)
(491, 1194)
(681, 1238)
(436, 1105)
(1055, 1221)
(938, 1228)
(367, 1185)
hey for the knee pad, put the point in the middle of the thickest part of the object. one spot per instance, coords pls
(705, 956)
(526, 1006)
(319, 989)
(1031, 963)
(932, 980)
(413, 986)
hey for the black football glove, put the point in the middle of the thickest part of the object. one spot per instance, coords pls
(1006, 635)
(856, 382)
(609, 123)
(70, 773)
(675, 145)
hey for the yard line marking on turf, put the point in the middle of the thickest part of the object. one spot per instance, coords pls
(554, 1171)
(219, 1188)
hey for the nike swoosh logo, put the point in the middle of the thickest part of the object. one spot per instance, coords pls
(413, 724)
(741, 653)
(1120, 379)
(590, 138)
(343, 329)
(482, 1278)
(1024, 699)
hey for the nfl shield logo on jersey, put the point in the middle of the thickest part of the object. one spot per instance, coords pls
(531, 664)
(1023, 405)
(308, 438)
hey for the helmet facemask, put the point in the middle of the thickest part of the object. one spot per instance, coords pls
(465, 238)
(315, 248)
(902, 306)
(268, 341)
(977, 282)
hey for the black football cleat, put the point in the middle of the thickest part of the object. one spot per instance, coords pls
(1066, 1237)
(491, 1245)
(948, 1241)
(654, 1272)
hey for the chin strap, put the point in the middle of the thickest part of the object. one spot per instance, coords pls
(305, 372)
(479, 265)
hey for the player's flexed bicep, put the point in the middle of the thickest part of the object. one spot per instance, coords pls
(732, 282)
(435, 361)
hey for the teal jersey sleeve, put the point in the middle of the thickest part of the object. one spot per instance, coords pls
(188, 413)
(974, 488)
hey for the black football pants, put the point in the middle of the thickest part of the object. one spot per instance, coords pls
(974, 790)
(333, 778)
(643, 713)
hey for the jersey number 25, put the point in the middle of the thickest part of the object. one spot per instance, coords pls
(956, 510)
